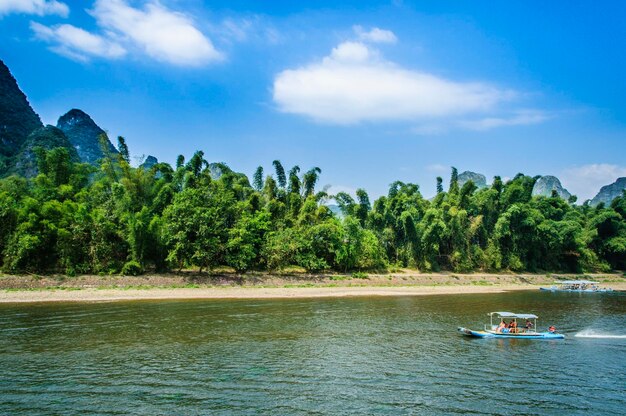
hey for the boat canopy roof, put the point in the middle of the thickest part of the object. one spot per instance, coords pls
(514, 315)
(577, 282)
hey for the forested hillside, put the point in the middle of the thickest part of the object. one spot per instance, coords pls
(75, 218)
(17, 118)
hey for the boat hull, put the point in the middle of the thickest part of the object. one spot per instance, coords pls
(484, 334)
(549, 289)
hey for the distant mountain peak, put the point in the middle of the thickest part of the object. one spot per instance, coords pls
(149, 162)
(546, 184)
(609, 192)
(478, 178)
(75, 116)
(84, 135)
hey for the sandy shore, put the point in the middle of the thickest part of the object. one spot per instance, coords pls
(17, 289)
(108, 295)
(100, 295)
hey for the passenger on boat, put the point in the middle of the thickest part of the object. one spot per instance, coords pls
(501, 326)
(513, 326)
(552, 329)
(529, 325)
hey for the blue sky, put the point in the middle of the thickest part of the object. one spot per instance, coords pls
(369, 91)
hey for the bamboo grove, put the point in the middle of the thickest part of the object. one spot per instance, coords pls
(76, 219)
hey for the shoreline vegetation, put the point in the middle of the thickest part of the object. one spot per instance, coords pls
(77, 219)
(33, 288)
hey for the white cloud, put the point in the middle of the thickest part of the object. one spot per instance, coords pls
(375, 35)
(350, 52)
(519, 118)
(353, 84)
(162, 34)
(38, 7)
(516, 118)
(585, 181)
(77, 43)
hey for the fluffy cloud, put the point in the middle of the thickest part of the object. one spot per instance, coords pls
(350, 52)
(375, 35)
(160, 33)
(354, 84)
(585, 181)
(163, 34)
(38, 7)
(77, 43)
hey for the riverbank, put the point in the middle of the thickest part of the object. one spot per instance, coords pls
(193, 286)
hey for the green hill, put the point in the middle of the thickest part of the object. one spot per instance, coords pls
(17, 118)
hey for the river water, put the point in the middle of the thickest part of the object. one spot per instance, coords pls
(377, 355)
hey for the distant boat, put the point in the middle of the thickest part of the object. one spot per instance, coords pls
(519, 332)
(583, 286)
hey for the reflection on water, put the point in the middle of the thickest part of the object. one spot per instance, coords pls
(399, 355)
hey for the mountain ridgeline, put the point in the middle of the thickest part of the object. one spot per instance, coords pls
(608, 193)
(21, 132)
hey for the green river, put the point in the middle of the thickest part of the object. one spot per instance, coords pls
(374, 355)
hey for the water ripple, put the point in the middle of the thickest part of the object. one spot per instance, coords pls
(320, 356)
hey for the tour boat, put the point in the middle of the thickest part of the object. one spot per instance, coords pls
(583, 286)
(519, 332)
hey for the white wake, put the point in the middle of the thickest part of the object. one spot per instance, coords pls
(590, 333)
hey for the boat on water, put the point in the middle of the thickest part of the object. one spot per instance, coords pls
(526, 331)
(582, 286)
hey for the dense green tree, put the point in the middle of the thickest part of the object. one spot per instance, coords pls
(55, 164)
(8, 219)
(123, 149)
(454, 182)
(363, 208)
(280, 174)
(245, 240)
(257, 181)
(310, 180)
(196, 226)
(294, 180)
(360, 249)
